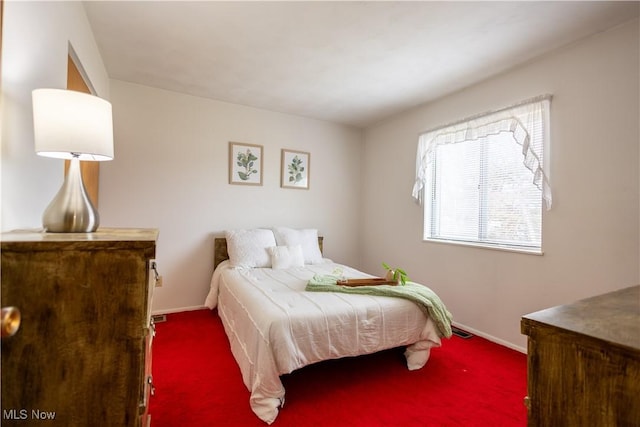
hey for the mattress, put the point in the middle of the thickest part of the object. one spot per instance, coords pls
(275, 327)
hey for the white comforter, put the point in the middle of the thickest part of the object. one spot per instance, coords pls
(274, 326)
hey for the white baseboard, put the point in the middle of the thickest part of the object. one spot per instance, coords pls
(178, 310)
(491, 338)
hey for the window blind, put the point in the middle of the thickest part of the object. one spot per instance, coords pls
(484, 179)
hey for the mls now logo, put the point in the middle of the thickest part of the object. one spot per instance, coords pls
(24, 414)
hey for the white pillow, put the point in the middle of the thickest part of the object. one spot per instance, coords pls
(248, 248)
(306, 238)
(297, 257)
(286, 257)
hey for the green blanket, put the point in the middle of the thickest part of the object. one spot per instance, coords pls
(424, 297)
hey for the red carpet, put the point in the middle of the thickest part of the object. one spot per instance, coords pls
(469, 382)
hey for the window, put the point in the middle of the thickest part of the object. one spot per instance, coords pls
(482, 179)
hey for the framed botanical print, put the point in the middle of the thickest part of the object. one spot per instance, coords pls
(245, 163)
(294, 169)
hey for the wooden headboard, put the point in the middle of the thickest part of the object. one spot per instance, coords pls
(220, 249)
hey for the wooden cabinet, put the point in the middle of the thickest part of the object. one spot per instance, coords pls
(82, 354)
(584, 362)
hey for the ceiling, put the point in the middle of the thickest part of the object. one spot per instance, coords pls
(347, 62)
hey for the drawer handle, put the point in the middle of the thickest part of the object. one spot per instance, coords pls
(10, 321)
(151, 386)
(152, 392)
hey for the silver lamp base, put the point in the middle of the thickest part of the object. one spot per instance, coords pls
(71, 210)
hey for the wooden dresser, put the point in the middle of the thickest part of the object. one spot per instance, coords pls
(82, 354)
(584, 362)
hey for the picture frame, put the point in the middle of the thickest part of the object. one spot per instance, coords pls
(245, 163)
(295, 169)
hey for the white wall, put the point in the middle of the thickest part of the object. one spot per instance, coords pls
(35, 46)
(170, 171)
(591, 236)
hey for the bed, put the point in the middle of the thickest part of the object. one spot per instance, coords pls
(275, 326)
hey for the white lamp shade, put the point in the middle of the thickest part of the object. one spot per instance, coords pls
(71, 124)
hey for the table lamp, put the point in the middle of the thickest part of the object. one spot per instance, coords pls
(76, 126)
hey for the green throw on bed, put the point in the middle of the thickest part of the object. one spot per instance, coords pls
(426, 299)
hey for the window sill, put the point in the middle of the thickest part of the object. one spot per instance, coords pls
(538, 252)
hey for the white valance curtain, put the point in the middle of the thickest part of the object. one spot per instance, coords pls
(522, 120)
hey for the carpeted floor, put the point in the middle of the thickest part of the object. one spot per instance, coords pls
(467, 382)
